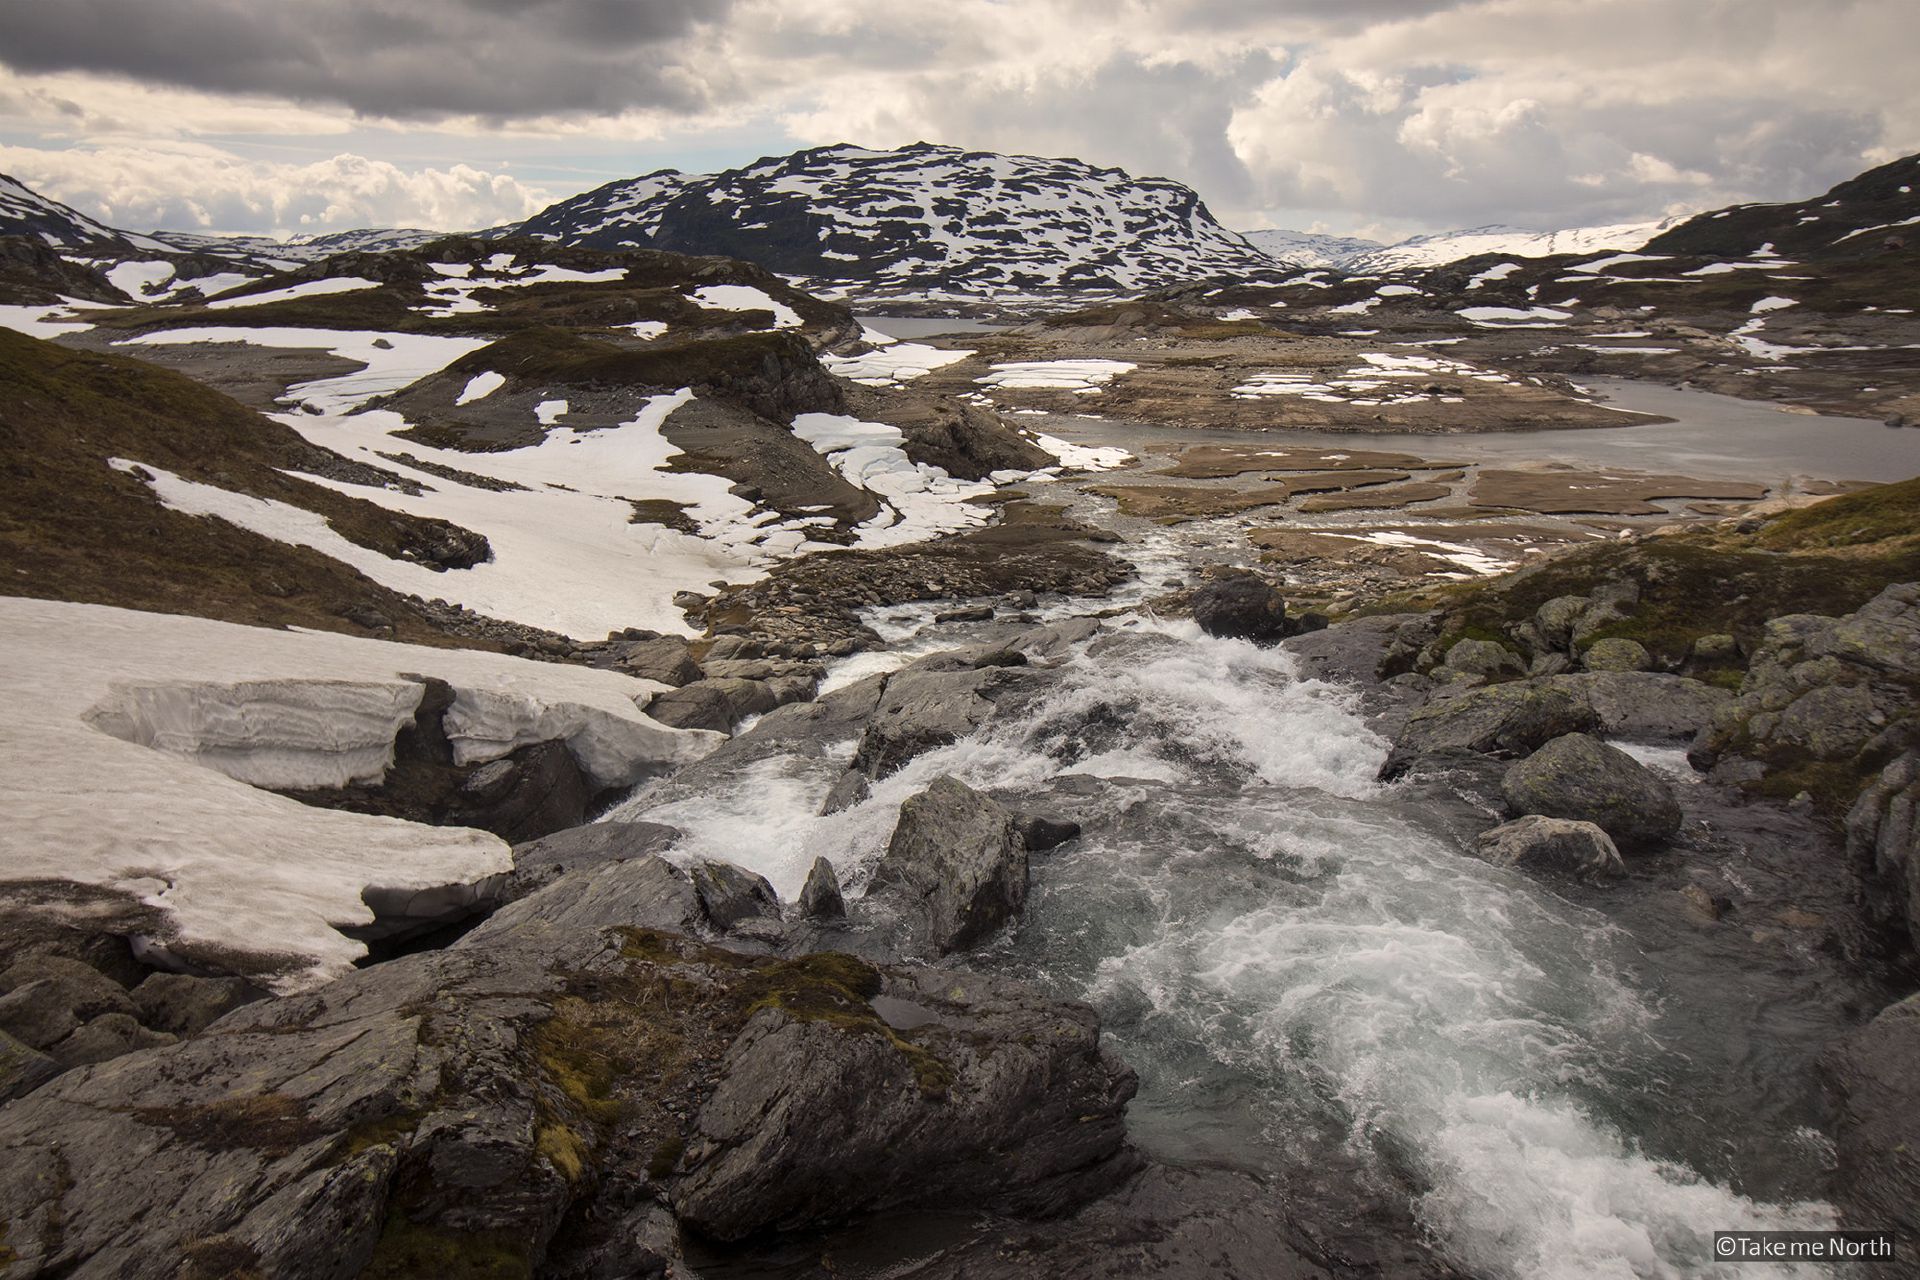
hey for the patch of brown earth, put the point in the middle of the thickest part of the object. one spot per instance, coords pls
(1569, 491)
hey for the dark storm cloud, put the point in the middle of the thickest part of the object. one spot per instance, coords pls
(405, 59)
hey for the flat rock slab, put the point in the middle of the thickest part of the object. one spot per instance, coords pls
(1569, 491)
(1215, 461)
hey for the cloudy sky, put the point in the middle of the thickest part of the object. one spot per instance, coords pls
(1369, 117)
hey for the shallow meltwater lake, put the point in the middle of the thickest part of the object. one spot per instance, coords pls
(1711, 437)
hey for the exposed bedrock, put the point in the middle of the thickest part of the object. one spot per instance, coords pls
(556, 1096)
(1877, 1071)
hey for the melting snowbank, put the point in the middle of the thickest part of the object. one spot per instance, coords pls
(156, 814)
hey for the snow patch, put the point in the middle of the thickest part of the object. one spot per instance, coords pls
(128, 733)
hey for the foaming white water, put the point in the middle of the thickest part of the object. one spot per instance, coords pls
(1465, 1025)
(1256, 902)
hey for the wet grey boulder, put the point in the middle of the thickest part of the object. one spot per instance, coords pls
(1615, 653)
(1483, 658)
(1539, 843)
(730, 894)
(1877, 1072)
(712, 704)
(662, 658)
(920, 710)
(1242, 606)
(1579, 777)
(538, 863)
(22, 1068)
(1040, 833)
(1023, 1102)
(820, 897)
(1509, 719)
(956, 866)
(444, 1113)
(187, 1005)
(848, 790)
(1883, 837)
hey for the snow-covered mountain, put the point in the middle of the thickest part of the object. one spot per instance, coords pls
(25, 212)
(923, 219)
(1510, 242)
(1368, 257)
(281, 254)
(1309, 249)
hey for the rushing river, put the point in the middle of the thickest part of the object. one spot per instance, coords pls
(1316, 982)
(1315, 979)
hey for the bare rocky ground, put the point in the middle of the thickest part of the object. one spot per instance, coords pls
(628, 1063)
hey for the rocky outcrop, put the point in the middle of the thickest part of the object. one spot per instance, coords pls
(1509, 719)
(537, 1103)
(1824, 694)
(1539, 843)
(1577, 776)
(956, 866)
(538, 863)
(1883, 836)
(1877, 1071)
(730, 894)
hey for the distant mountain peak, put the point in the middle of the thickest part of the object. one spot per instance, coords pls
(923, 219)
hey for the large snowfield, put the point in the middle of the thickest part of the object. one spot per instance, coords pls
(129, 735)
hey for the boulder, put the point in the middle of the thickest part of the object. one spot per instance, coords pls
(538, 863)
(1554, 621)
(537, 790)
(956, 865)
(80, 987)
(921, 710)
(1647, 706)
(1539, 843)
(1040, 833)
(37, 1014)
(1485, 659)
(905, 1124)
(1579, 777)
(820, 897)
(730, 894)
(663, 658)
(1242, 606)
(1616, 653)
(1877, 1071)
(186, 1005)
(712, 704)
(646, 893)
(848, 790)
(1509, 719)
(444, 1113)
